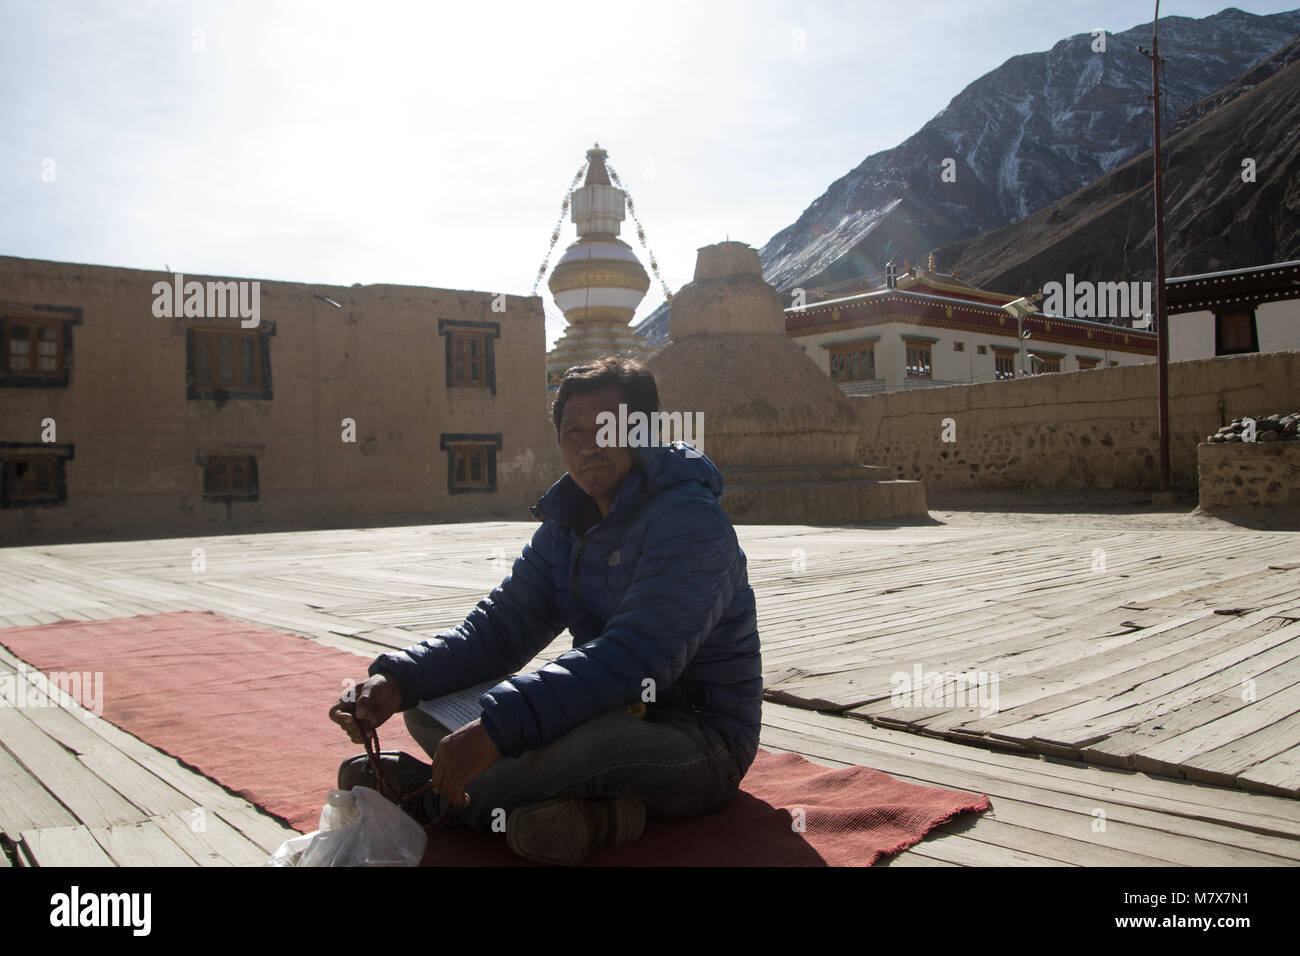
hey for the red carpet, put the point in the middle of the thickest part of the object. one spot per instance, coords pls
(247, 706)
(850, 817)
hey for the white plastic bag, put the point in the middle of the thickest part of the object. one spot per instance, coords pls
(357, 828)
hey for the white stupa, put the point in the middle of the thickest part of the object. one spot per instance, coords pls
(598, 282)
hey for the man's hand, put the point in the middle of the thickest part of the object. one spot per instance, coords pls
(460, 758)
(372, 702)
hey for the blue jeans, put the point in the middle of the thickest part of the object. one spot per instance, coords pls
(670, 759)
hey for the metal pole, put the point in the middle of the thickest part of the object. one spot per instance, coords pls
(1162, 330)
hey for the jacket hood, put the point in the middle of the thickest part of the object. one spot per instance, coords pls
(661, 467)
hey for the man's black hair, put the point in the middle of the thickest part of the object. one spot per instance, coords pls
(634, 381)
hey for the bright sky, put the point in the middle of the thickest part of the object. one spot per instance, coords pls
(431, 143)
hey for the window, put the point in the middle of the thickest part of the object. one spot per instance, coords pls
(853, 361)
(471, 359)
(471, 463)
(467, 353)
(226, 360)
(1087, 363)
(1004, 364)
(228, 363)
(31, 479)
(36, 345)
(1113, 364)
(918, 359)
(959, 346)
(1043, 364)
(32, 474)
(230, 478)
(1235, 333)
(981, 350)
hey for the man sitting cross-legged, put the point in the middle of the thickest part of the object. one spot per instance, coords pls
(655, 710)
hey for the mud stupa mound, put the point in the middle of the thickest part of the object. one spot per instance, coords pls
(783, 435)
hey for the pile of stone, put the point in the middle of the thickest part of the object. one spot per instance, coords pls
(1278, 427)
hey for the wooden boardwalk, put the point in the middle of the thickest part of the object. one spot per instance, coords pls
(1175, 658)
(1176, 653)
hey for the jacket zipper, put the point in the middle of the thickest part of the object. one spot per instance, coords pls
(582, 538)
(694, 705)
(577, 563)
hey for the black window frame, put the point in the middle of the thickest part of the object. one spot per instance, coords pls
(847, 358)
(491, 331)
(206, 462)
(1251, 317)
(450, 443)
(1001, 354)
(12, 452)
(263, 333)
(19, 313)
(918, 342)
(1043, 358)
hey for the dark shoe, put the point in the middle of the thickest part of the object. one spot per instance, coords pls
(569, 830)
(403, 773)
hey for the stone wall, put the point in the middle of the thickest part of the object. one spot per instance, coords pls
(1070, 431)
(1249, 474)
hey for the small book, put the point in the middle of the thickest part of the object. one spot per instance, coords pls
(460, 707)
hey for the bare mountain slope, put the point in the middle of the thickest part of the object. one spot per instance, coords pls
(1215, 220)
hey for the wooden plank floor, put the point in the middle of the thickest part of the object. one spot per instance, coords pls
(1172, 652)
(1045, 812)
(1049, 811)
(1176, 653)
(77, 791)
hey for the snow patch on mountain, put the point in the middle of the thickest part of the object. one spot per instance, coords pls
(835, 241)
(1035, 129)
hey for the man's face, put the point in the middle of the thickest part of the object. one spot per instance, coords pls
(597, 471)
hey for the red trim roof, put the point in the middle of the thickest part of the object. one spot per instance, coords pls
(942, 310)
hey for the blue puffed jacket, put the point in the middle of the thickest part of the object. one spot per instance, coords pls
(655, 590)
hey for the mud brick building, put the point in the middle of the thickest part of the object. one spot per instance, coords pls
(341, 406)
